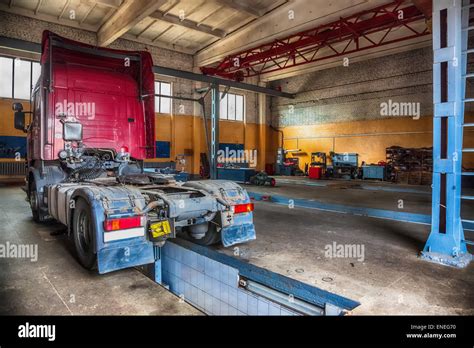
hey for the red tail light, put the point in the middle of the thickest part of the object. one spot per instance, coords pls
(124, 149)
(123, 223)
(243, 208)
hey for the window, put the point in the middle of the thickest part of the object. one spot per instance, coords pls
(232, 107)
(239, 107)
(223, 110)
(22, 83)
(18, 77)
(163, 104)
(6, 72)
(35, 74)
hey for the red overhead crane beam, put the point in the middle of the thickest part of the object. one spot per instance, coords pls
(368, 29)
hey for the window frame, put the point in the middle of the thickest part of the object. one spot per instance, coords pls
(31, 61)
(226, 98)
(158, 99)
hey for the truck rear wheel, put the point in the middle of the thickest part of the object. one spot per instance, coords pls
(83, 234)
(211, 237)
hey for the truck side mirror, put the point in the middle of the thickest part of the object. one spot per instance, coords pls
(17, 107)
(20, 120)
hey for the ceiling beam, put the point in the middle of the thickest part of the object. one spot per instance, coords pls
(46, 17)
(160, 70)
(163, 32)
(242, 7)
(225, 20)
(92, 28)
(188, 24)
(91, 8)
(275, 24)
(157, 43)
(109, 14)
(146, 28)
(125, 17)
(64, 8)
(38, 6)
(212, 13)
(20, 45)
(168, 10)
(109, 3)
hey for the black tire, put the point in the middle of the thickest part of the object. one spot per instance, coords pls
(211, 237)
(33, 199)
(83, 234)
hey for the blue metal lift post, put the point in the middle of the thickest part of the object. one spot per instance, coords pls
(446, 243)
(215, 110)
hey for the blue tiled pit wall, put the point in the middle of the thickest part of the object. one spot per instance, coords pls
(211, 286)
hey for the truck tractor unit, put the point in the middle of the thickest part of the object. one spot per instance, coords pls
(90, 128)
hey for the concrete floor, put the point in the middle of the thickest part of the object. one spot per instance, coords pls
(370, 194)
(57, 285)
(390, 280)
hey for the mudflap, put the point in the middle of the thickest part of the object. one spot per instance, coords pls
(125, 254)
(120, 254)
(243, 230)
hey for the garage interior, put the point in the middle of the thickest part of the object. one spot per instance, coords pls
(348, 123)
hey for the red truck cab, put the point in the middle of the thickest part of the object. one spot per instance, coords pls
(110, 92)
(92, 126)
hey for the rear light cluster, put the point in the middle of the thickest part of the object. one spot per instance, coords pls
(123, 149)
(124, 223)
(243, 208)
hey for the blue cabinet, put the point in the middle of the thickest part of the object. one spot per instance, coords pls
(241, 175)
(373, 172)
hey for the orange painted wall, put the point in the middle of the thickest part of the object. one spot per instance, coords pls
(187, 136)
(6, 118)
(6, 121)
(368, 138)
(184, 132)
